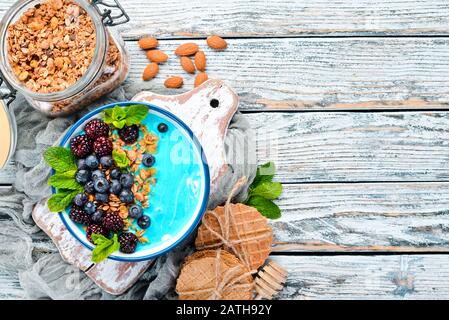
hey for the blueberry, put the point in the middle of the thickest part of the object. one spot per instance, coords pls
(162, 127)
(80, 199)
(126, 196)
(106, 162)
(102, 197)
(89, 187)
(135, 211)
(101, 185)
(82, 176)
(144, 222)
(81, 164)
(97, 216)
(127, 180)
(92, 161)
(116, 187)
(97, 174)
(148, 160)
(90, 207)
(115, 173)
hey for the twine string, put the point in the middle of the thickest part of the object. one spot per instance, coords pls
(225, 227)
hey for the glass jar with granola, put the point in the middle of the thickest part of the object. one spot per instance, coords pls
(60, 54)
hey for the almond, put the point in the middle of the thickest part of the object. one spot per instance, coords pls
(187, 49)
(150, 71)
(216, 42)
(187, 65)
(148, 43)
(157, 56)
(200, 61)
(200, 78)
(174, 82)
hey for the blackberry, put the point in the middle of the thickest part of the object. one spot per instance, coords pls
(78, 215)
(97, 229)
(128, 242)
(96, 128)
(103, 146)
(81, 146)
(129, 134)
(113, 222)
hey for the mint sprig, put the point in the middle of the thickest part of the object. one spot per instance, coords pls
(61, 200)
(121, 116)
(266, 207)
(120, 158)
(264, 190)
(64, 164)
(60, 159)
(104, 247)
(65, 180)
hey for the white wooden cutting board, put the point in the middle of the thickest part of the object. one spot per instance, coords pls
(209, 125)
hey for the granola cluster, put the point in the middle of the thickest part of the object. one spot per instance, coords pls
(144, 178)
(51, 45)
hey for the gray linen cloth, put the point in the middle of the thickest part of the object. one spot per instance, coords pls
(26, 250)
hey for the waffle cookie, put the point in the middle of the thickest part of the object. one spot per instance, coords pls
(240, 229)
(214, 275)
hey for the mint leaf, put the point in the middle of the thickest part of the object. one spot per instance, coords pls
(121, 160)
(119, 117)
(104, 247)
(266, 207)
(265, 173)
(60, 159)
(118, 113)
(268, 190)
(65, 180)
(135, 114)
(107, 116)
(61, 200)
(98, 239)
(119, 123)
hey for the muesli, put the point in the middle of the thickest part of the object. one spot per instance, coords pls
(51, 46)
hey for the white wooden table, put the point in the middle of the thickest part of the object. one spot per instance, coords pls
(356, 94)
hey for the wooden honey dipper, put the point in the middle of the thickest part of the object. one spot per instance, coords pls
(270, 280)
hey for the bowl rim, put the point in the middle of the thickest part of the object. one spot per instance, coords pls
(204, 162)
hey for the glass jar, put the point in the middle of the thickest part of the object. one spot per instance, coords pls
(8, 127)
(107, 69)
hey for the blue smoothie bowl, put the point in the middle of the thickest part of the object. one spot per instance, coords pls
(179, 197)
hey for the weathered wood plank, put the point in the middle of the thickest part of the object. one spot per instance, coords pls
(318, 74)
(259, 18)
(363, 217)
(10, 287)
(342, 277)
(354, 146)
(366, 277)
(279, 18)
